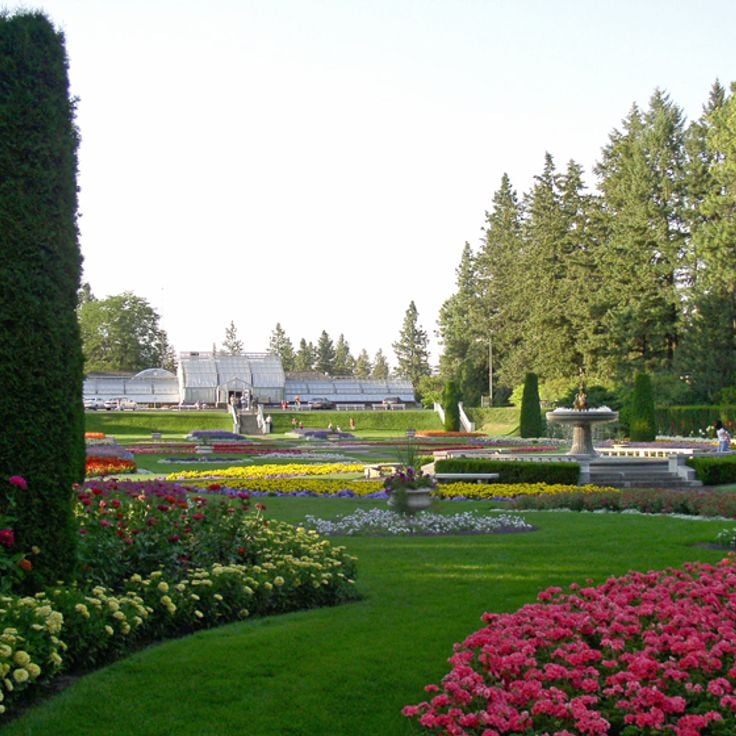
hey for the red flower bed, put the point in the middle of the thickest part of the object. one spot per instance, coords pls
(642, 654)
(99, 466)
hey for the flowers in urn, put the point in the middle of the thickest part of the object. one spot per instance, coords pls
(409, 490)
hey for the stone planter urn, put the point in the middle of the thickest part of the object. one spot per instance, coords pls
(417, 499)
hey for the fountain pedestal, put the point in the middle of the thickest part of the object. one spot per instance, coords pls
(582, 422)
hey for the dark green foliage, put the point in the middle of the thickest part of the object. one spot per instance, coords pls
(531, 421)
(412, 348)
(692, 421)
(450, 400)
(641, 412)
(713, 471)
(516, 471)
(41, 365)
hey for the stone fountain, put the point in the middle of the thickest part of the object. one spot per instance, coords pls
(581, 418)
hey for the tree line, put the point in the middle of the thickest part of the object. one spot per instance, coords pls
(638, 274)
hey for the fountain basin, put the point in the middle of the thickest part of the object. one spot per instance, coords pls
(582, 422)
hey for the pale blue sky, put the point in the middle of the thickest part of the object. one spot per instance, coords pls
(321, 163)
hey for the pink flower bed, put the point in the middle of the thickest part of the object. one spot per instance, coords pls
(645, 653)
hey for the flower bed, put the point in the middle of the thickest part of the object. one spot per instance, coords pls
(157, 560)
(265, 471)
(381, 522)
(642, 654)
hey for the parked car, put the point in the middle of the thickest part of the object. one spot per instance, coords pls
(94, 403)
(321, 403)
(120, 403)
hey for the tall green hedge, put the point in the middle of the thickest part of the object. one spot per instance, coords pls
(450, 399)
(40, 350)
(531, 423)
(642, 415)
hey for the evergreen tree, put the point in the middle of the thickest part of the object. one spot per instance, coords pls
(344, 364)
(306, 357)
(381, 368)
(643, 184)
(642, 415)
(325, 354)
(412, 348)
(458, 315)
(279, 344)
(450, 399)
(363, 365)
(500, 280)
(531, 420)
(41, 367)
(232, 344)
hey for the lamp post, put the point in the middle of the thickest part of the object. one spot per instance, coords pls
(490, 369)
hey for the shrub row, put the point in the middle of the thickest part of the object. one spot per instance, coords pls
(713, 471)
(692, 421)
(513, 472)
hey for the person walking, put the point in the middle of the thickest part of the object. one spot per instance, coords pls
(724, 438)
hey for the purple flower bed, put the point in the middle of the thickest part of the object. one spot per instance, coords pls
(210, 435)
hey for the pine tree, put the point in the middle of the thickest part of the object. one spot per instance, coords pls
(363, 365)
(232, 345)
(325, 355)
(306, 356)
(412, 348)
(344, 364)
(41, 367)
(381, 368)
(279, 344)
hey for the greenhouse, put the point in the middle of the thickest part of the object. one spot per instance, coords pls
(213, 379)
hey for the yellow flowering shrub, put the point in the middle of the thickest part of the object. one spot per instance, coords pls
(512, 490)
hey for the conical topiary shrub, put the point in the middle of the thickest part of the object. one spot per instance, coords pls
(531, 422)
(450, 400)
(642, 416)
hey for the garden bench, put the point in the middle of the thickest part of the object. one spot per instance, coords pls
(350, 407)
(380, 470)
(477, 477)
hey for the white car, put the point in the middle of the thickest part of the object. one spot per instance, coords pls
(94, 403)
(121, 403)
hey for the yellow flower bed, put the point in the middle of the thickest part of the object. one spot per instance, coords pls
(321, 486)
(265, 471)
(511, 490)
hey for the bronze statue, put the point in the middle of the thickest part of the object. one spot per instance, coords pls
(581, 400)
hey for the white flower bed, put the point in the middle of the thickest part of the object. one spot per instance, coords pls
(382, 522)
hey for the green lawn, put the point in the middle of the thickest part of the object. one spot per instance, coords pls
(347, 671)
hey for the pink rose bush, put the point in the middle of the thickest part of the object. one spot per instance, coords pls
(645, 653)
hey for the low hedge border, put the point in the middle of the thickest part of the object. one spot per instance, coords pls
(714, 471)
(514, 472)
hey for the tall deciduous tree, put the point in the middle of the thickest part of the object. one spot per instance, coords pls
(122, 333)
(41, 369)
(412, 348)
(279, 344)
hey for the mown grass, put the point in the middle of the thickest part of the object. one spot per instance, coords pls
(347, 671)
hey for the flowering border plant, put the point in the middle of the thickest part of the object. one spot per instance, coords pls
(645, 653)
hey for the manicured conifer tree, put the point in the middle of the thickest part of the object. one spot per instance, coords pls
(41, 367)
(450, 398)
(531, 421)
(642, 415)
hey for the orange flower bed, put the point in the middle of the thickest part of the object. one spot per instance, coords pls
(100, 466)
(94, 435)
(444, 433)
